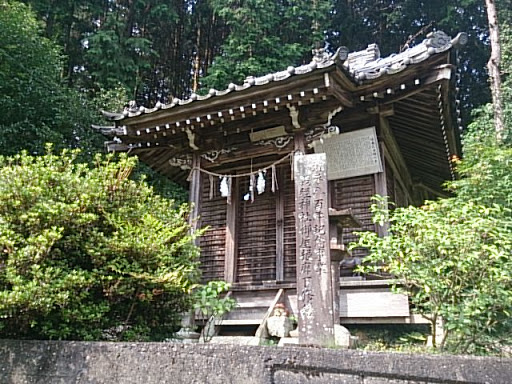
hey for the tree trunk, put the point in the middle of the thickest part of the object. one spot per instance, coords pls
(494, 68)
(197, 60)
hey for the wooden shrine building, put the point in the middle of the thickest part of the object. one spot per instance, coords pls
(387, 126)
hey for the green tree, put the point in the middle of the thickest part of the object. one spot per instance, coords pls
(452, 257)
(155, 50)
(37, 107)
(265, 36)
(118, 52)
(86, 253)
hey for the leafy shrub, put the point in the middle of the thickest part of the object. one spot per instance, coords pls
(211, 304)
(86, 253)
(453, 256)
(394, 337)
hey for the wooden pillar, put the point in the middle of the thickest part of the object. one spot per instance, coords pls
(194, 196)
(231, 243)
(299, 142)
(280, 225)
(314, 284)
(381, 187)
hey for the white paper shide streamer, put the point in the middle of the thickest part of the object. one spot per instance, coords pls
(224, 188)
(257, 180)
(260, 184)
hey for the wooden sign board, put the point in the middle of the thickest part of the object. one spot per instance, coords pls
(269, 133)
(375, 302)
(351, 154)
(314, 285)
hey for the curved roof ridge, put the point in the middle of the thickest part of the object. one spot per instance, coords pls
(360, 65)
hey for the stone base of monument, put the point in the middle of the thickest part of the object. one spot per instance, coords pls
(342, 337)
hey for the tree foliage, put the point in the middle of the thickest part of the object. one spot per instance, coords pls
(37, 107)
(265, 36)
(209, 302)
(86, 253)
(29, 68)
(159, 51)
(452, 256)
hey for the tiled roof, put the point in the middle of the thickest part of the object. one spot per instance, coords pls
(361, 66)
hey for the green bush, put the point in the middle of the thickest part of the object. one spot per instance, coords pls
(86, 253)
(453, 256)
(391, 337)
(209, 302)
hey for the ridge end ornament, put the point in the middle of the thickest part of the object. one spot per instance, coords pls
(341, 55)
(320, 54)
(438, 40)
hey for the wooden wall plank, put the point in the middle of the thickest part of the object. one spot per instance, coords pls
(289, 246)
(213, 242)
(256, 234)
(393, 155)
(355, 193)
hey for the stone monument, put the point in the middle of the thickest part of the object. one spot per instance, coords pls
(314, 285)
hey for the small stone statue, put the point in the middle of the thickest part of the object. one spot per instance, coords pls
(279, 324)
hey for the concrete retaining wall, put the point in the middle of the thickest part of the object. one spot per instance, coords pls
(156, 363)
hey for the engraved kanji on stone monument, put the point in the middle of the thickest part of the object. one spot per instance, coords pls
(314, 286)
